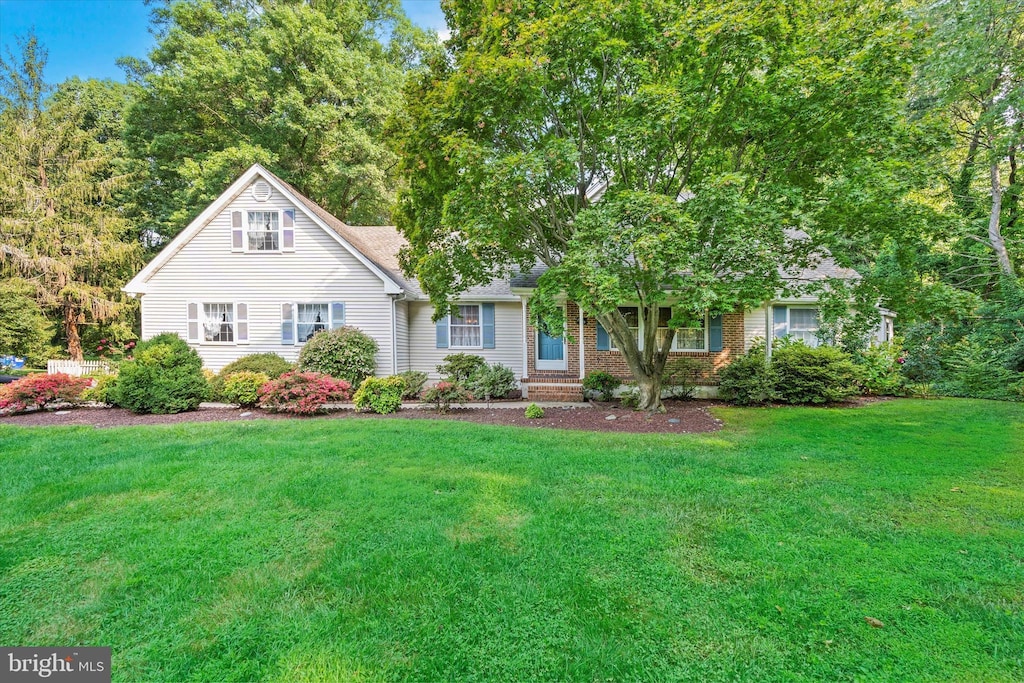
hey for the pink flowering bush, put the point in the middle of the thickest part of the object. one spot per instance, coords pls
(303, 393)
(40, 390)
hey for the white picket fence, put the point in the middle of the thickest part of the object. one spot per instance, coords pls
(77, 368)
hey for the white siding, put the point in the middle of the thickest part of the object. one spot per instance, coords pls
(320, 270)
(754, 322)
(508, 339)
(753, 326)
(402, 335)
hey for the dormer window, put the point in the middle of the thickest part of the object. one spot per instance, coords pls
(264, 231)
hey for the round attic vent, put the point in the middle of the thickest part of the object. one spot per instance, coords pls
(260, 191)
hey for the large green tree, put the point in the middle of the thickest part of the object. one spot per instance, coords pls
(59, 231)
(307, 88)
(643, 152)
(974, 76)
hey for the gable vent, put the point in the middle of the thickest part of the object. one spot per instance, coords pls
(261, 191)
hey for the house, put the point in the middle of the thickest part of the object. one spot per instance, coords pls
(264, 268)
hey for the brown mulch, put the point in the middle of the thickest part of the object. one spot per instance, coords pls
(680, 417)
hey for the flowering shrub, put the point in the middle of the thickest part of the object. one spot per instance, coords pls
(303, 393)
(443, 394)
(243, 388)
(880, 369)
(40, 390)
(115, 351)
(382, 395)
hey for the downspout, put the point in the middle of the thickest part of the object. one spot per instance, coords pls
(394, 335)
(525, 345)
(581, 345)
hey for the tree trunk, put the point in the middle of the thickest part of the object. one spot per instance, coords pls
(646, 365)
(650, 393)
(72, 319)
(995, 235)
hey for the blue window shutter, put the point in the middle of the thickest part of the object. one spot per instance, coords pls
(602, 339)
(442, 333)
(287, 326)
(487, 318)
(780, 319)
(715, 333)
(337, 314)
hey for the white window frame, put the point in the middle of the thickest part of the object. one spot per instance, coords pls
(248, 232)
(789, 324)
(675, 339)
(639, 330)
(707, 337)
(551, 364)
(479, 324)
(234, 323)
(295, 318)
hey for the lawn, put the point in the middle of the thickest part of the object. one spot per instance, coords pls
(427, 550)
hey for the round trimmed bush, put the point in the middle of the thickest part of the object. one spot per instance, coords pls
(748, 380)
(345, 353)
(270, 364)
(823, 374)
(382, 395)
(165, 376)
(303, 393)
(243, 388)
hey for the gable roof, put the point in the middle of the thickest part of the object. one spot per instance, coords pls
(393, 282)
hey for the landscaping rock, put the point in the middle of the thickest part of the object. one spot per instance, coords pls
(673, 420)
(610, 417)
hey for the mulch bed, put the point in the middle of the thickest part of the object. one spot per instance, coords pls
(680, 417)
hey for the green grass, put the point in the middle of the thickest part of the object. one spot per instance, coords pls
(366, 550)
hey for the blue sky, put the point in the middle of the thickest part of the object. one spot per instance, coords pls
(85, 37)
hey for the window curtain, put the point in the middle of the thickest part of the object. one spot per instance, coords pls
(218, 322)
(466, 326)
(312, 318)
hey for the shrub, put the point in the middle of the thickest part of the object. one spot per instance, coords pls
(748, 380)
(243, 387)
(345, 353)
(680, 377)
(303, 393)
(100, 391)
(973, 369)
(40, 390)
(492, 381)
(880, 367)
(165, 376)
(382, 395)
(414, 381)
(459, 367)
(443, 394)
(630, 398)
(534, 412)
(813, 375)
(270, 364)
(601, 383)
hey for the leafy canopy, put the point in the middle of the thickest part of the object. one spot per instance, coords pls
(308, 89)
(640, 152)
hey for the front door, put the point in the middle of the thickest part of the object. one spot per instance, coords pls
(550, 352)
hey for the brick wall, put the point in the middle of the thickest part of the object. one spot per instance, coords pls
(565, 385)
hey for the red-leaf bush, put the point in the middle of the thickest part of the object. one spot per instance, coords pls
(303, 393)
(40, 390)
